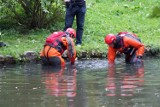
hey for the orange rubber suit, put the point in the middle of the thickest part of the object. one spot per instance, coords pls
(127, 45)
(52, 55)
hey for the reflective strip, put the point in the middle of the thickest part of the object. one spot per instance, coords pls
(46, 56)
(70, 47)
(66, 0)
(133, 37)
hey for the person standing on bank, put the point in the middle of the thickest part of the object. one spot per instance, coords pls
(127, 43)
(75, 8)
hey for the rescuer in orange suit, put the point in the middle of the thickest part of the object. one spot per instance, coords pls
(55, 45)
(127, 43)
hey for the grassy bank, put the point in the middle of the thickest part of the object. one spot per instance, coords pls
(102, 17)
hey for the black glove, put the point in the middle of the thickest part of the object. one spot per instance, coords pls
(139, 60)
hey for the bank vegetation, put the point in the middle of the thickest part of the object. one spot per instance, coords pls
(24, 25)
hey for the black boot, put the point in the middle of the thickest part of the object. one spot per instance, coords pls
(2, 44)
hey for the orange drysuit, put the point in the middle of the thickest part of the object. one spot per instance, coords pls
(52, 52)
(128, 44)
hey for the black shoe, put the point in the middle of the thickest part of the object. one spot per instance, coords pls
(2, 44)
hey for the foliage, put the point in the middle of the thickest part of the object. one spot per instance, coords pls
(156, 12)
(31, 13)
(102, 17)
(114, 16)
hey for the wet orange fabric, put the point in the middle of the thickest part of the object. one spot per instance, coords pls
(127, 43)
(51, 53)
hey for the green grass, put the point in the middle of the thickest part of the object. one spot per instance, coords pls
(112, 16)
(102, 17)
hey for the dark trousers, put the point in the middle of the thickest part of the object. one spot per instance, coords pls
(79, 12)
(131, 58)
(51, 61)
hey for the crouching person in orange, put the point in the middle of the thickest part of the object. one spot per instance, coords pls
(55, 45)
(127, 43)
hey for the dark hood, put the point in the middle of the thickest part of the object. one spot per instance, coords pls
(118, 43)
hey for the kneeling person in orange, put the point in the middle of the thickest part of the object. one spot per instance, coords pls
(127, 43)
(55, 45)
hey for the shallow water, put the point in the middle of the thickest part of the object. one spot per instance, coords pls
(91, 83)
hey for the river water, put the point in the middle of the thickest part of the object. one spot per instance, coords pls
(91, 83)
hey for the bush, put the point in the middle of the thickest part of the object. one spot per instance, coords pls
(31, 13)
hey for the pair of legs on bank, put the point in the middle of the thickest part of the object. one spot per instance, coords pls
(79, 12)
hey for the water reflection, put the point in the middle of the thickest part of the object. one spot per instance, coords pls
(60, 82)
(87, 85)
(125, 81)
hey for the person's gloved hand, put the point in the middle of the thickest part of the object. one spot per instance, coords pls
(139, 60)
(138, 63)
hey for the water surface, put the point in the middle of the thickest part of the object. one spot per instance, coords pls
(91, 83)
